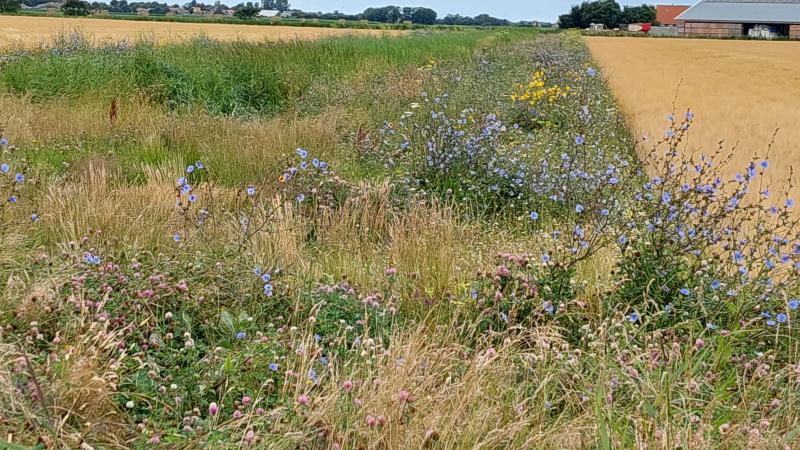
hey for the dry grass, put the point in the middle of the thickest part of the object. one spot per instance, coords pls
(27, 31)
(741, 91)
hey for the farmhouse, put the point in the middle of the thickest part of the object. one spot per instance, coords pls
(732, 18)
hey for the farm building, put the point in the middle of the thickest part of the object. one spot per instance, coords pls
(732, 18)
(667, 15)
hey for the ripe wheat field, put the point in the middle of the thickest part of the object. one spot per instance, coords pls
(741, 91)
(26, 31)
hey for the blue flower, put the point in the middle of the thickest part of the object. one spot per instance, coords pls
(91, 259)
(579, 140)
(323, 165)
(579, 208)
(503, 316)
(12, 199)
(190, 168)
(534, 215)
(591, 72)
(716, 284)
(685, 291)
(4, 168)
(633, 317)
(794, 304)
(666, 197)
(622, 240)
(545, 258)
(315, 162)
(181, 181)
(300, 198)
(251, 191)
(781, 318)
(771, 323)
(301, 152)
(266, 278)
(176, 237)
(34, 217)
(199, 165)
(241, 335)
(324, 360)
(3, 142)
(19, 178)
(192, 198)
(268, 290)
(711, 326)
(273, 366)
(764, 164)
(689, 115)
(789, 203)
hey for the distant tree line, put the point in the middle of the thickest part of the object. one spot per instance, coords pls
(250, 10)
(481, 20)
(607, 12)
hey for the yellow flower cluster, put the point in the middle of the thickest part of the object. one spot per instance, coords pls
(430, 65)
(536, 90)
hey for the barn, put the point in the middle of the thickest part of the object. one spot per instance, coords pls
(733, 18)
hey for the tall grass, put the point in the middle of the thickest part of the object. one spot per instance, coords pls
(232, 78)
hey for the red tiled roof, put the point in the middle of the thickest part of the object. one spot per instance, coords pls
(666, 14)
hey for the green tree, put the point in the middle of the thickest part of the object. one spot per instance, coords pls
(639, 14)
(425, 16)
(246, 11)
(10, 6)
(607, 12)
(386, 14)
(75, 8)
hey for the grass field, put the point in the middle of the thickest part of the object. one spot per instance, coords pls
(442, 240)
(27, 31)
(741, 91)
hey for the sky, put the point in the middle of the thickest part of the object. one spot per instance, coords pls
(544, 10)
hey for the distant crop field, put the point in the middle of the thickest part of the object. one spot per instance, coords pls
(740, 91)
(27, 31)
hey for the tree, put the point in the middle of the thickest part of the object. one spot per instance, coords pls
(75, 8)
(10, 6)
(279, 5)
(607, 12)
(424, 16)
(246, 11)
(386, 14)
(639, 14)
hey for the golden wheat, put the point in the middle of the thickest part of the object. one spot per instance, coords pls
(740, 91)
(27, 31)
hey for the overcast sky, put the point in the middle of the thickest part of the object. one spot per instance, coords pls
(546, 10)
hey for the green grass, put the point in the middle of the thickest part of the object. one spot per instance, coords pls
(234, 78)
